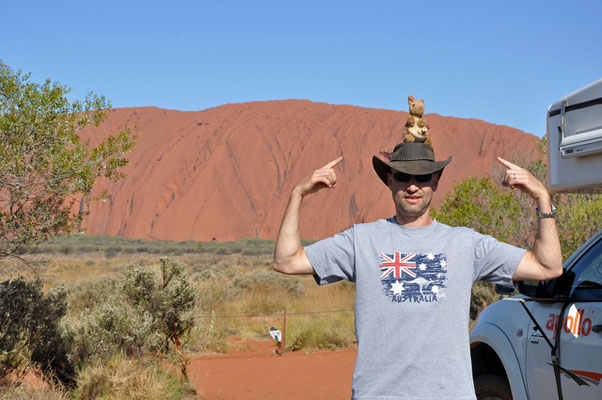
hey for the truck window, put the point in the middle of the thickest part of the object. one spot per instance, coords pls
(587, 283)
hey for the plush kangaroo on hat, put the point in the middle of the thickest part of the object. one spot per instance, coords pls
(415, 129)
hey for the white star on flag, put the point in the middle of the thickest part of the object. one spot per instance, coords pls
(435, 289)
(422, 267)
(430, 256)
(397, 287)
(443, 263)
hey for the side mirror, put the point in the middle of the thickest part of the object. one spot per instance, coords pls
(528, 288)
(554, 288)
(504, 290)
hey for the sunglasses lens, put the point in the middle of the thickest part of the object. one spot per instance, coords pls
(403, 177)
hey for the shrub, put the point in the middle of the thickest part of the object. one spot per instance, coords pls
(29, 328)
(482, 295)
(168, 299)
(90, 293)
(222, 251)
(112, 251)
(110, 329)
(250, 251)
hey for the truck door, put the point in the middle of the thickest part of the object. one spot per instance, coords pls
(540, 372)
(580, 335)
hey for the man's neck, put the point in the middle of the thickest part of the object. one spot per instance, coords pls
(414, 221)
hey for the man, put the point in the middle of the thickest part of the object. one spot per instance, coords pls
(414, 275)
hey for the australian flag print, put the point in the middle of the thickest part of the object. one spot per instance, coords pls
(413, 277)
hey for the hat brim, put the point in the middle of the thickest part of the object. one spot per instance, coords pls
(415, 167)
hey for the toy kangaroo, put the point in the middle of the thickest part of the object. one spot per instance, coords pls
(416, 129)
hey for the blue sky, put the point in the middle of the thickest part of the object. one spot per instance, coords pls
(501, 61)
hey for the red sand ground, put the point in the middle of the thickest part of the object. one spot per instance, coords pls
(258, 373)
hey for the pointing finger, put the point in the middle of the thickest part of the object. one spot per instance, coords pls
(333, 163)
(506, 163)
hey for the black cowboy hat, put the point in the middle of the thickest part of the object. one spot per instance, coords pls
(410, 158)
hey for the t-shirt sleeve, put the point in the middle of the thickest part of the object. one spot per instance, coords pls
(333, 258)
(494, 261)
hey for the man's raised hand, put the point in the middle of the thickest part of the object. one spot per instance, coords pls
(324, 177)
(515, 176)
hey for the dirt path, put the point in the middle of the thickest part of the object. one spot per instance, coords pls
(258, 373)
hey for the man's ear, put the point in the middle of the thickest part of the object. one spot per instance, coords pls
(389, 179)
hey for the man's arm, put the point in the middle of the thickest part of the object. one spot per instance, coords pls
(545, 260)
(289, 256)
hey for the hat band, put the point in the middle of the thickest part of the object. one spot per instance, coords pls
(412, 159)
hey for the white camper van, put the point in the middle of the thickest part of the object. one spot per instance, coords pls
(546, 343)
(575, 141)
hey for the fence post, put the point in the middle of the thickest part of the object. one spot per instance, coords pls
(283, 342)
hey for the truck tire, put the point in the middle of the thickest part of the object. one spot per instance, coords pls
(492, 387)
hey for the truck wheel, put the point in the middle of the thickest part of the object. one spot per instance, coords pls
(492, 387)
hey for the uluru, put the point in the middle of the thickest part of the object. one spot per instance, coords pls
(225, 173)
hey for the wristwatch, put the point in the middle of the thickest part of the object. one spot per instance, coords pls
(551, 214)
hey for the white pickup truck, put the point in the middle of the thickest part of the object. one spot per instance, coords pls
(546, 343)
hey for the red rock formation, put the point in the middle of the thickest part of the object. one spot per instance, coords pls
(226, 172)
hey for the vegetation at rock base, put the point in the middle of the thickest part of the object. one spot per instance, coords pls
(44, 163)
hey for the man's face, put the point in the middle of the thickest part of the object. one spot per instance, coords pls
(412, 195)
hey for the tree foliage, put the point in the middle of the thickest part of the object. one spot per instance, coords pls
(481, 205)
(44, 163)
(509, 216)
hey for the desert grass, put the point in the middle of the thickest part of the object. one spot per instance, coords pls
(123, 378)
(27, 392)
(239, 293)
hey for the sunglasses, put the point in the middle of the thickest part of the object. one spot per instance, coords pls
(403, 177)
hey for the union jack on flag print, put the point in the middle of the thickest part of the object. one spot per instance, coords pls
(413, 277)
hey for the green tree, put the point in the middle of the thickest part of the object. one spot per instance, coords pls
(509, 216)
(483, 206)
(44, 163)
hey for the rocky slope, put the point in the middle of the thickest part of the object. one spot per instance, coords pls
(226, 172)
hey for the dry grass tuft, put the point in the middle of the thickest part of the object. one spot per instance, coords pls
(127, 379)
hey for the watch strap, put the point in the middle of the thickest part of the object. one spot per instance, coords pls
(551, 214)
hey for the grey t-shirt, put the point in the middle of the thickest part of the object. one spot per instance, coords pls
(412, 303)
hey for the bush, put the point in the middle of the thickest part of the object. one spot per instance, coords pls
(482, 295)
(88, 294)
(113, 328)
(112, 251)
(168, 299)
(29, 328)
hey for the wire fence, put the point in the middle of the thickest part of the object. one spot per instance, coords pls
(273, 314)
